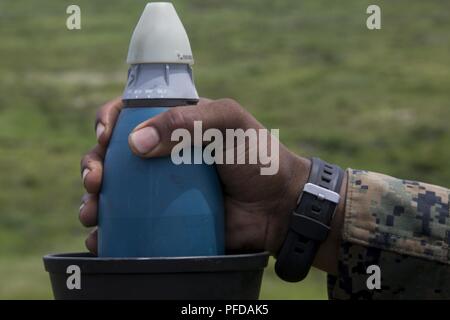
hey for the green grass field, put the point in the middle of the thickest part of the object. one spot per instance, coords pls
(381, 97)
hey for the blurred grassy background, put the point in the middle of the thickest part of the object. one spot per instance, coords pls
(382, 98)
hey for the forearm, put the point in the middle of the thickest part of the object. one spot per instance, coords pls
(380, 220)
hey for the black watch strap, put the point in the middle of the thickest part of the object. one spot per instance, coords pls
(310, 221)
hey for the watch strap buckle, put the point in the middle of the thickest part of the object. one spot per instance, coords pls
(321, 193)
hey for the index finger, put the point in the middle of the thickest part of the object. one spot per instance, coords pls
(106, 119)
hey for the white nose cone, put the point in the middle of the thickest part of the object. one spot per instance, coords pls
(159, 37)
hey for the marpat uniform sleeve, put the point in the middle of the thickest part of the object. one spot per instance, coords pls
(401, 226)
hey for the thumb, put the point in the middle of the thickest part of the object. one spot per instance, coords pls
(152, 138)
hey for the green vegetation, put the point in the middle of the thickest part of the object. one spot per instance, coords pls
(381, 99)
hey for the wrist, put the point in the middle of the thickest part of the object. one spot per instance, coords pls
(328, 254)
(296, 176)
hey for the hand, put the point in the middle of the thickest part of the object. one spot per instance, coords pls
(257, 207)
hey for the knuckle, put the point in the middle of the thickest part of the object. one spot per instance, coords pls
(232, 113)
(87, 162)
(91, 159)
(105, 110)
(231, 108)
(105, 107)
(84, 161)
(100, 115)
(175, 119)
(81, 218)
(229, 104)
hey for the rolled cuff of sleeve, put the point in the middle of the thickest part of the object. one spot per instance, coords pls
(402, 228)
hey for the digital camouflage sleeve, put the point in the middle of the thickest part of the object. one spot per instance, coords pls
(401, 226)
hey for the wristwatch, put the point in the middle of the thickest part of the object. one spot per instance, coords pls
(310, 221)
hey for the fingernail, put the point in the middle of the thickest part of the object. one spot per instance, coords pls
(85, 173)
(99, 130)
(145, 139)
